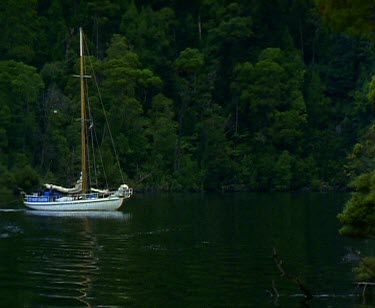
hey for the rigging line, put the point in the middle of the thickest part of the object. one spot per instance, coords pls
(94, 138)
(90, 132)
(101, 156)
(94, 135)
(87, 137)
(101, 161)
(105, 116)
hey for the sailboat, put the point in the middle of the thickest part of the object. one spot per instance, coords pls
(81, 197)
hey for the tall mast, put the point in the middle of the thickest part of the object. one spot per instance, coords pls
(83, 116)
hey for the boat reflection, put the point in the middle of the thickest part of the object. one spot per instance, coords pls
(11, 210)
(82, 214)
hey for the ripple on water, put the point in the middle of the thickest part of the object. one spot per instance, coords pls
(9, 230)
(59, 270)
(171, 255)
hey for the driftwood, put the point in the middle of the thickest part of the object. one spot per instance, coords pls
(279, 263)
(364, 285)
(275, 292)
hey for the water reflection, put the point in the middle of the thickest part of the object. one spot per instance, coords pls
(82, 214)
(10, 210)
(177, 250)
(56, 257)
(64, 260)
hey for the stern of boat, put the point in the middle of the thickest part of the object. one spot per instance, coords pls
(124, 191)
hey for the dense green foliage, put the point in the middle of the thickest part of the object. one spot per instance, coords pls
(358, 216)
(201, 95)
(366, 270)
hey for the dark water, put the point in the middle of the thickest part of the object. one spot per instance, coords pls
(186, 250)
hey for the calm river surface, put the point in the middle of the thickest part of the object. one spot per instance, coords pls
(179, 250)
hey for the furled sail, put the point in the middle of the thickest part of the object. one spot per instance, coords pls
(100, 191)
(73, 190)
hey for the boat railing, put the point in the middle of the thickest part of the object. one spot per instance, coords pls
(53, 196)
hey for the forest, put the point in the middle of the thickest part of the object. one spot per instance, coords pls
(201, 95)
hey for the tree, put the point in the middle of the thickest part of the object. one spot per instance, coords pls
(238, 83)
(354, 17)
(229, 36)
(162, 131)
(358, 215)
(272, 110)
(150, 33)
(213, 151)
(283, 172)
(105, 20)
(20, 87)
(272, 98)
(188, 67)
(127, 87)
(19, 25)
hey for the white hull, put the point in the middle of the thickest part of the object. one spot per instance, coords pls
(101, 204)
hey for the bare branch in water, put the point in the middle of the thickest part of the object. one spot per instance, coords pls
(295, 279)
